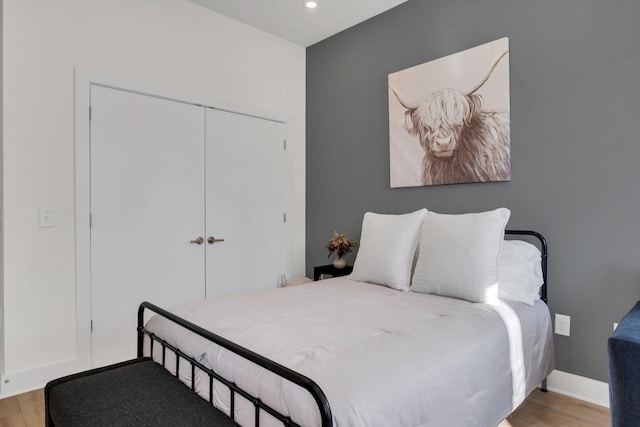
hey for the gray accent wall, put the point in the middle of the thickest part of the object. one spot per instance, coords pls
(575, 143)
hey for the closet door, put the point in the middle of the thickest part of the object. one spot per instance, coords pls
(245, 207)
(147, 205)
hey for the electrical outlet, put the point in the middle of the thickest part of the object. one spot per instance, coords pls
(615, 326)
(563, 325)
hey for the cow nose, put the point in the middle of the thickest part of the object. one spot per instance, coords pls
(443, 141)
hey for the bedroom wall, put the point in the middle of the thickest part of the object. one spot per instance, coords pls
(1, 197)
(167, 43)
(574, 142)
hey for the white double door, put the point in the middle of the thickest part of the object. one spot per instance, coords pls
(186, 203)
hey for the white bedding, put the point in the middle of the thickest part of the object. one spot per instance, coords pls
(382, 357)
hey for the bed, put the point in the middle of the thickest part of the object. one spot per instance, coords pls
(347, 352)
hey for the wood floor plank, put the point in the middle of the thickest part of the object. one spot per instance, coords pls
(14, 420)
(32, 408)
(556, 410)
(9, 406)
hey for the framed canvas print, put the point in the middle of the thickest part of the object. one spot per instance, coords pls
(449, 119)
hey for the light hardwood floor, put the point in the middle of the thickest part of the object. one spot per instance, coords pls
(25, 410)
(539, 410)
(556, 410)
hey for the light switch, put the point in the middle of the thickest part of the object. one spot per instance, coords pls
(46, 217)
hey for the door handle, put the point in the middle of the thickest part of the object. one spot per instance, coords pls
(198, 241)
(211, 240)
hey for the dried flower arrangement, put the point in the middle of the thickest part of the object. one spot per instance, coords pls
(340, 245)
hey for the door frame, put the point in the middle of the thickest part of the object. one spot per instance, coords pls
(83, 80)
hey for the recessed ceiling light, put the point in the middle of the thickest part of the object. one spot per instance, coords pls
(311, 4)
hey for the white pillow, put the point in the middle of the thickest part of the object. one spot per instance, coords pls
(387, 246)
(459, 255)
(519, 272)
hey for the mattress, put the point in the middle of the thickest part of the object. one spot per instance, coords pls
(381, 356)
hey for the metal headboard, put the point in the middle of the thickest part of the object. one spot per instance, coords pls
(544, 253)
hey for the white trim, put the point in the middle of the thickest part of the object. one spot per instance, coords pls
(586, 389)
(84, 78)
(36, 378)
(82, 208)
(87, 77)
(592, 391)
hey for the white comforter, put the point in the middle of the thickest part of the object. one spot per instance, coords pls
(382, 357)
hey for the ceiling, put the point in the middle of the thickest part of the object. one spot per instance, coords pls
(291, 20)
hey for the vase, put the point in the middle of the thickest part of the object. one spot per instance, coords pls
(340, 262)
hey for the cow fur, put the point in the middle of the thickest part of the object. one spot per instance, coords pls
(482, 154)
(482, 150)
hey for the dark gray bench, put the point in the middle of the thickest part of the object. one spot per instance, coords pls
(135, 393)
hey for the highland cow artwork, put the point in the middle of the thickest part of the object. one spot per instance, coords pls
(449, 119)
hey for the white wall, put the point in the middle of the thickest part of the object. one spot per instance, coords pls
(169, 43)
(1, 204)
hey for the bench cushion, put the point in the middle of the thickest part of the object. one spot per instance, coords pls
(134, 393)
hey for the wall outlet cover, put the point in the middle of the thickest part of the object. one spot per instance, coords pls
(563, 325)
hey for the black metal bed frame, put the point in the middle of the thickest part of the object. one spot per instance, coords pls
(544, 252)
(306, 383)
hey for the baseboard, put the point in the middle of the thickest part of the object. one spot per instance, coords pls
(592, 391)
(24, 381)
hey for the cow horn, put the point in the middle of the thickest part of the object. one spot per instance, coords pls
(405, 102)
(484, 78)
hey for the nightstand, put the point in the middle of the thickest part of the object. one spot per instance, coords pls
(331, 270)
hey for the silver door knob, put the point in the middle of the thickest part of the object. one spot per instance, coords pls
(211, 240)
(198, 241)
